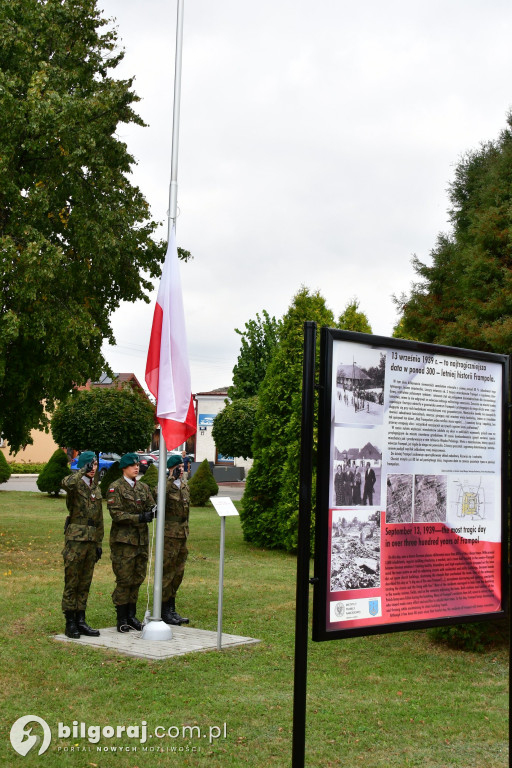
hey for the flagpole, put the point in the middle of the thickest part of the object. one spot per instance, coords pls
(157, 629)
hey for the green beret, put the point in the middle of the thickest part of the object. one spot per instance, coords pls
(173, 460)
(85, 457)
(128, 459)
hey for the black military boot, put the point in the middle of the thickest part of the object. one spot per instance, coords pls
(132, 619)
(83, 627)
(170, 617)
(172, 606)
(122, 618)
(71, 627)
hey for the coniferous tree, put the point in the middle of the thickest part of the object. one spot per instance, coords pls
(5, 470)
(113, 473)
(150, 477)
(50, 479)
(464, 298)
(202, 485)
(270, 503)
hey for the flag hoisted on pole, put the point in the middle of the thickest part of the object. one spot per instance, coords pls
(167, 367)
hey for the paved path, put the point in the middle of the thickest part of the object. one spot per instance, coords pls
(20, 483)
(234, 491)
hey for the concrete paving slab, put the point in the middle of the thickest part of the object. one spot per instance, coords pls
(184, 640)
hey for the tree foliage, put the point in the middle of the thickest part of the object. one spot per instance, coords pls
(464, 298)
(271, 500)
(202, 485)
(5, 470)
(120, 420)
(75, 233)
(150, 477)
(113, 473)
(50, 479)
(351, 319)
(233, 427)
(270, 504)
(258, 340)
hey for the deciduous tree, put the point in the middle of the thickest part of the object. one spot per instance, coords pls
(75, 233)
(233, 427)
(258, 340)
(119, 420)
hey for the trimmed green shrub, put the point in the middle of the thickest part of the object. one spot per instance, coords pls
(50, 479)
(114, 472)
(5, 470)
(151, 477)
(25, 468)
(202, 485)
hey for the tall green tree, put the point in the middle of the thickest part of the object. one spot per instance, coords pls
(258, 340)
(352, 319)
(234, 426)
(464, 298)
(120, 420)
(75, 233)
(270, 503)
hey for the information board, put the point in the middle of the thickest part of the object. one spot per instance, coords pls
(410, 518)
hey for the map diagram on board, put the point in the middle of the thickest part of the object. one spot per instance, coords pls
(471, 501)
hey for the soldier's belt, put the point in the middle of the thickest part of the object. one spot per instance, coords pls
(175, 519)
(83, 521)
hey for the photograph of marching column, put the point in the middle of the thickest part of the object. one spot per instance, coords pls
(358, 385)
(411, 486)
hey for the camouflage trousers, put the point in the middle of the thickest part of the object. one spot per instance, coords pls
(79, 560)
(129, 563)
(175, 557)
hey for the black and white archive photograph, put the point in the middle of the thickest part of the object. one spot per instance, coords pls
(358, 384)
(355, 550)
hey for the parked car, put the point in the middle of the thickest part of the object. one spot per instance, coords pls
(105, 462)
(145, 461)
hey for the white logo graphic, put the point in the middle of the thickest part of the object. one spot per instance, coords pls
(18, 733)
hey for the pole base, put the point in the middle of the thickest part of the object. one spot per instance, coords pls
(156, 629)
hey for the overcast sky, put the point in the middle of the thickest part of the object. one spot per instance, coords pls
(317, 142)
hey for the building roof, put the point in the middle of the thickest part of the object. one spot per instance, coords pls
(221, 391)
(117, 380)
(352, 371)
(368, 451)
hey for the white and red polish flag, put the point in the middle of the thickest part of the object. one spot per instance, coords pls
(167, 366)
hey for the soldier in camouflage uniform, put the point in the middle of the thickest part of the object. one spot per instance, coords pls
(177, 503)
(83, 538)
(131, 508)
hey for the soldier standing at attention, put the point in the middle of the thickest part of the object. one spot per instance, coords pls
(131, 508)
(177, 502)
(83, 534)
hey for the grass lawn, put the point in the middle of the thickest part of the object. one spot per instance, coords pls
(390, 700)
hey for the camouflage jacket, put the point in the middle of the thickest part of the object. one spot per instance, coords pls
(177, 503)
(125, 504)
(85, 511)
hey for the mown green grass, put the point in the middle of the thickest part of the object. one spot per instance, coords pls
(387, 700)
